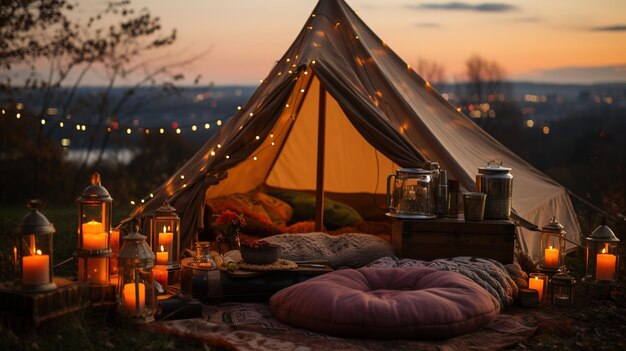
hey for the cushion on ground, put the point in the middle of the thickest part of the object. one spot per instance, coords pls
(395, 303)
(336, 214)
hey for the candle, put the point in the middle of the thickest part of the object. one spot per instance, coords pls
(536, 284)
(605, 267)
(94, 237)
(165, 239)
(162, 257)
(36, 269)
(551, 257)
(160, 275)
(130, 298)
(97, 271)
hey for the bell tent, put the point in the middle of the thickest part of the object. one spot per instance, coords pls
(337, 114)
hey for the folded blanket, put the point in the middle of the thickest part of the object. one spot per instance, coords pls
(493, 276)
(352, 250)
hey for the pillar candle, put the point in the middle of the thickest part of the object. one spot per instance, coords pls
(94, 237)
(130, 298)
(166, 239)
(605, 266)
(536, 284)
(551, 256)
(162, 257)
(36, 269)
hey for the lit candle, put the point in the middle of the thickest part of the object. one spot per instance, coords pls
(94, 237)
(36, 269)
(165, 239)
(536, 284)
(162, 257)
(605, 267)
(551, 257)
(130, 298)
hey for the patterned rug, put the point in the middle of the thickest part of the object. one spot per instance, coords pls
(251, 326)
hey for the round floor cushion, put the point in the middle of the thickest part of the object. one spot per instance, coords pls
(394, 303)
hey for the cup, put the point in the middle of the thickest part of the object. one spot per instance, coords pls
(538, 281)
(474, 206)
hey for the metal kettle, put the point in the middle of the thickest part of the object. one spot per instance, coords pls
(410, 195)
(497, 182)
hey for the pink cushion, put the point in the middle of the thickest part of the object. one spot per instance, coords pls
(394, 303)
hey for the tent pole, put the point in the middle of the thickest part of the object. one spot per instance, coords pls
(321, 141)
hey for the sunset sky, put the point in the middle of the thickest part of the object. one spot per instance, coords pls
(564, 41)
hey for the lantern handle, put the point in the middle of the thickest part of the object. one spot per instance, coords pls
(95, 179)
(34, 204)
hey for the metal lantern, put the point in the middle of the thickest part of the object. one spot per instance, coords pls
(136, 295)
(552, 246)
(94, 226)
(35, 251)
(603, 251)
(165, 236)
(562, 289)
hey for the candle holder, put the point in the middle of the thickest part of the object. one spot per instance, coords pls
(165, 236)
(563, 289)
(603, 251)
(552, 247)
(136, 295)
(34, 251)
(94, 226)
(537, 281)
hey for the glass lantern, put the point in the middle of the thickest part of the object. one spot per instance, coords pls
(35, 251)
(552, 247)
(603, 251)
(136, 295)
(94, 226)
(165, 236)
(562, 289)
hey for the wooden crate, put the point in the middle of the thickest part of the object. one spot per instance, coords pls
(443, 238)
(34, 308)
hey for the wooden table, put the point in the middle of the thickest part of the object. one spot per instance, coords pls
(429, 239)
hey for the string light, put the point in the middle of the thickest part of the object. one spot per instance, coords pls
(212, 153)
(227, 157)
(151, 195)
(61, 124)
(251, 114)
(83, 127)
(147, 131)
(219, 122)
(161, 130)
(254, 158)
(207, 126)
(182, 176)
(178, 131)
(128, 131)
(43, 121)
(18, 115)
(257, 137)
(132, 202)
(219, 146)
(143, 201)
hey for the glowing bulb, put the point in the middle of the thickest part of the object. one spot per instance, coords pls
(78, 127)
(18, 115)
(254, 158)
(212, 153)
(261, 81)
(306, 72)
(227, 157)
(287, 105)
(272, 143)
(83, 127)
(43, 121)
(257, 137)
(128, 131)
(143, 201)
(288, 59)
(182, 177)
(194, 128)
(356, 37)
(207, 126)
(238, 107)
(132, 202)
(161, 131)
(61, 124)
(178, 131)
(313, 62)
(219, 122)
(219, 146)
(151, 195)
(302, 90)
(184, 185)
(271, 135)
(251, 114)
(147, 131)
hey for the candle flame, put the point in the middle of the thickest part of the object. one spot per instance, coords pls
(536, 278)
(550, 247)
(162, 248)
(164, 230)
(38, 252)
(603, 251)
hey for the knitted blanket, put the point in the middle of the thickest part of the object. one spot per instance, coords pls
(352, 250)
(499, 280)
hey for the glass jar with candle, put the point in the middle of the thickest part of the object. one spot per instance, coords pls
(136, 294)
(552, 245)
(203, 255)
(33, 252)
(537, 281)
(603, 252)
(94, 227)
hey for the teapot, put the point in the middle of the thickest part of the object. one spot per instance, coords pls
(411, 194)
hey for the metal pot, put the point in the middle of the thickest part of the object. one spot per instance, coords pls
(497, 182)
(411, 195)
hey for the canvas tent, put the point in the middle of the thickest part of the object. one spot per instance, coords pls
(376, 114)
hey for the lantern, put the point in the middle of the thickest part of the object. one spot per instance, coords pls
(35, 251)
(552, 247)
(136, 296)
(165, 236)
(603, 249)
(562, 289)
(94, 226)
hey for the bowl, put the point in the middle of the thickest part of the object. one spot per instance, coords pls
(264, 253)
